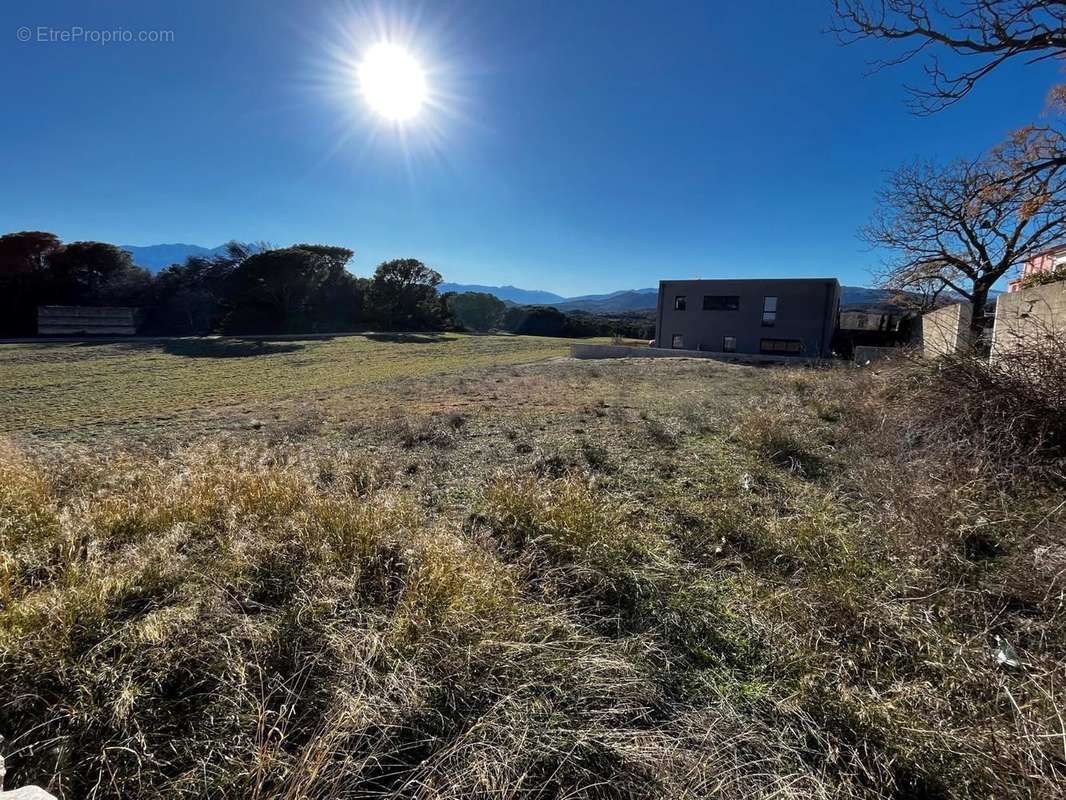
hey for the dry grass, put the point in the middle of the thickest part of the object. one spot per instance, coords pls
(687, 580)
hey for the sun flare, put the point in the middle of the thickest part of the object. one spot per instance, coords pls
(392, 82)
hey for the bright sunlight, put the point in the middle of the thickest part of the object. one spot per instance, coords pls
(392, 82)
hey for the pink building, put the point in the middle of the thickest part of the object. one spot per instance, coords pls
(1048, 261)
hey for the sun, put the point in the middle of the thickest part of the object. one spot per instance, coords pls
(392, 82)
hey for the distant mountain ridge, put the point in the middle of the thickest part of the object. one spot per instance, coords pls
(509, 294)
(623, 300)
(155, 257)
(628, 300)
(613, 303)
(159, 256)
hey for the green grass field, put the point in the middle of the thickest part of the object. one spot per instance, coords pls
(60, 386)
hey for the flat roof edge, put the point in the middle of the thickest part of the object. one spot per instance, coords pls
(747, 280)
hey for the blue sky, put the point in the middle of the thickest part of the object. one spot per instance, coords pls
(575, 146)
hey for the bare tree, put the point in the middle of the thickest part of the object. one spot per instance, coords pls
(918, 295)
(986, 33)
(964, 225)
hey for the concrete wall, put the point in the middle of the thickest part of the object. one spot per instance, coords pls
(867, 321)
(626, 351)
(946, 331)
(806, 311)
(1026, 316)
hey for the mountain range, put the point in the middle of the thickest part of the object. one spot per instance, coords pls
(155, 257)
(614, 302)
(158, 256)
(509, 294)
(632, 300)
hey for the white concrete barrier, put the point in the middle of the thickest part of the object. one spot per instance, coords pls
(23, 792)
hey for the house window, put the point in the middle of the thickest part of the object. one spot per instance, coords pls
(789, 347)
(680, 302)
(721, 302)
(769, 312)
(729, 344)
(677, 342)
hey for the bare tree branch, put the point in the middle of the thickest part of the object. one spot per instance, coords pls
(991, 32)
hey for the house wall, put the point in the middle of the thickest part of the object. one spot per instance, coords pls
(1045, 262)
(947, 330)
(1026, 316)
(806, 311)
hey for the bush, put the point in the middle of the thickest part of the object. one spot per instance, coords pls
(1005, 414)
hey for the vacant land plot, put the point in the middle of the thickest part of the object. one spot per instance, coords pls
(428, 575)
(52, 387)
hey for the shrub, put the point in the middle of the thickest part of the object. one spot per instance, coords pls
(1042, 278)
(1008, 413)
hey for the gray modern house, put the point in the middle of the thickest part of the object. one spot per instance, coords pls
(779, 317)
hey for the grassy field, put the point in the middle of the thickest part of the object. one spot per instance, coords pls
(449, 577)
(51, 387)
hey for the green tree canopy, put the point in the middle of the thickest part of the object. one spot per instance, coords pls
(79, 271)
(24, 279)
(476, 311)
(272, 290)
(536, 321)
(403, 293)
(26, 251)
(192, 298)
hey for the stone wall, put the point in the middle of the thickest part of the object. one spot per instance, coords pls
(946, 331)
(1027, 316)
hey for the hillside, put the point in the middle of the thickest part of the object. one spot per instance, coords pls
(615, 302)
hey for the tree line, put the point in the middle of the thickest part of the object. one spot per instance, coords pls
(305, 288)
